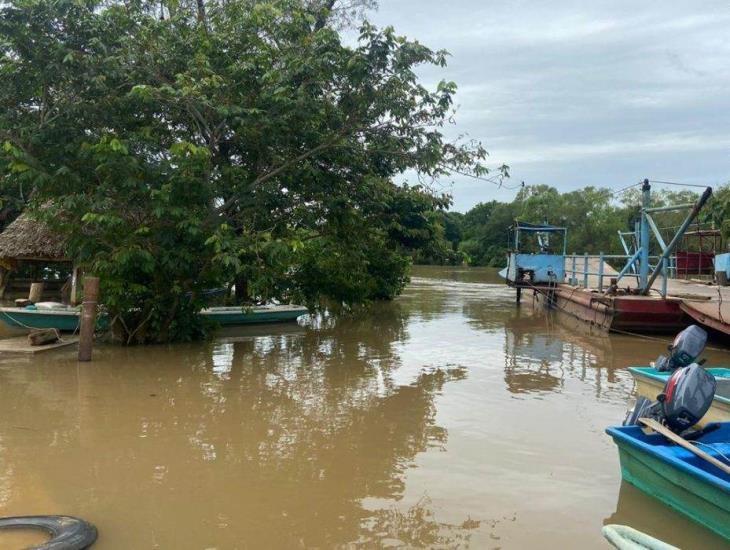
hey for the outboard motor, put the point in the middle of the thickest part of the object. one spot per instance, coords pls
(686, 398)
(686, 348)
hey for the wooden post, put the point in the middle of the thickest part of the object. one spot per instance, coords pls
(88, 317)
(4, 278)
(36, 292)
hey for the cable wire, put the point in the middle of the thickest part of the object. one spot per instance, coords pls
(613, 195)
(677, 183)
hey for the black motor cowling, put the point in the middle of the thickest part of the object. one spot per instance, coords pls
(687, 396)
(686, 348)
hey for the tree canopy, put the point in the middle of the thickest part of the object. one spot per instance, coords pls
(593, 217)
(186, 146)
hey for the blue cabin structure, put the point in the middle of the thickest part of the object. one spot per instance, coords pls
(544, 265)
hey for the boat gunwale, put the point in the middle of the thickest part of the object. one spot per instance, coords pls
(624, 435)
(22, 310)
(252, 310)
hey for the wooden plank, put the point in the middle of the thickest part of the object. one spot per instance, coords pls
(20, 345)
(682, 442)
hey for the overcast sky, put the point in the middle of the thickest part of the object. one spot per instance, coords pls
(583, 93)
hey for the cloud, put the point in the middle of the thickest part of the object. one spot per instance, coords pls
(571, 93)
(565, 152)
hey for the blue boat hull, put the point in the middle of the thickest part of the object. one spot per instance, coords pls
(677, 477)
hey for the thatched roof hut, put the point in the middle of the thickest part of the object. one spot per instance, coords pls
(29, 239)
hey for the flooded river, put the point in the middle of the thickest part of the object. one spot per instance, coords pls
(447, 418)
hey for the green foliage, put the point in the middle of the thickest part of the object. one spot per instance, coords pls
(182, 146)
(718, 213)
(443, 249)
(485, 232)
(592, 215)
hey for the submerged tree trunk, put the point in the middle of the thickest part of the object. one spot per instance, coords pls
(242, 295)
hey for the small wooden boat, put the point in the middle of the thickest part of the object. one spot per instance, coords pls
(64, 318)
(650, 383)
(272, 313)
(677, 477)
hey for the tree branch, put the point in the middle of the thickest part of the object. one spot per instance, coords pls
(261, 179)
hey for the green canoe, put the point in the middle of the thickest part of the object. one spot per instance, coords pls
(67, 319)
(231, 316)
(63, 319)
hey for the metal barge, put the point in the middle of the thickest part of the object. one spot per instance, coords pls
(641, 297)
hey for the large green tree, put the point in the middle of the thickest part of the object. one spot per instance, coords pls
(181, 146)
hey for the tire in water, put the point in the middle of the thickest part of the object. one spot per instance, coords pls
(67, 532)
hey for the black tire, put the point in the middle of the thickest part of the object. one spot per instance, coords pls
(67, 533)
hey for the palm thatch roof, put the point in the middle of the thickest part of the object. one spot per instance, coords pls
(29, 239)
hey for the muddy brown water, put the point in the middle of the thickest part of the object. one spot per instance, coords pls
(447, 418)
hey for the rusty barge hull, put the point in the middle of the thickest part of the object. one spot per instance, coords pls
(644, 314)
(713, 315)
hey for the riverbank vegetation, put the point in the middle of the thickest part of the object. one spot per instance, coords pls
(182, 146)
(592, 215)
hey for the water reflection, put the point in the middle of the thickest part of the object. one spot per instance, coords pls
(449, 417)
(542, 349)
(533, 356)
(640, 511)
(273, 440)
(414, 527)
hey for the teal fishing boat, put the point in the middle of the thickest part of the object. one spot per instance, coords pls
(66, 318)
(272, 313)
(650, 383)
(677, 477)
(58, 316)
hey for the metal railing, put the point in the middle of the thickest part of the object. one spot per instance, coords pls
(577, 269)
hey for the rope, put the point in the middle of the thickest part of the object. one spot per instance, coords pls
(550, 301)
(719, 305)
(712, 446)
(14, 320)
(656, 339)
(619, 331)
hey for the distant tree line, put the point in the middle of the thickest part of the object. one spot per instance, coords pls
(592, 215)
